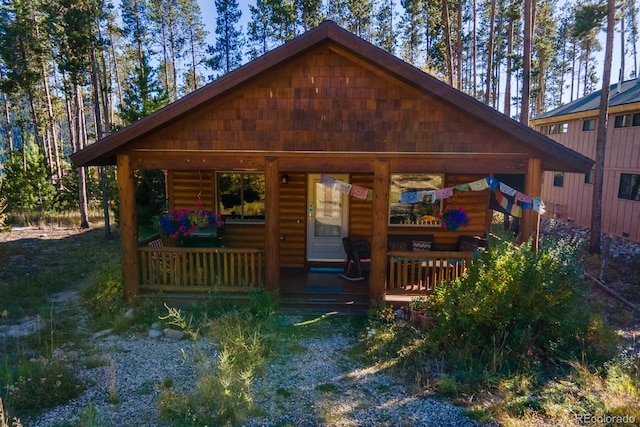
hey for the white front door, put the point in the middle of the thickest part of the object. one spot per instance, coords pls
(327, 220)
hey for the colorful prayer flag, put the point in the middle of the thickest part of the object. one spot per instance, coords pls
(444, 193)
(492, 182)
(479, 185)
(507, 190)
(358, 192)
(521, 197)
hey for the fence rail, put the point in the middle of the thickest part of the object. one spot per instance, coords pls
(420, 273)
(199, 269)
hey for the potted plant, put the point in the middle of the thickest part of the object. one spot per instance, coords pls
(454, 218)
(419, 312)
(181, 223)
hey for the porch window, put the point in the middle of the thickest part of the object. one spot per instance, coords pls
(423, 212)
(241, 196)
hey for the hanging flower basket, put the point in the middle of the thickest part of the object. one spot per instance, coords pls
(179, 223)
(454, 218)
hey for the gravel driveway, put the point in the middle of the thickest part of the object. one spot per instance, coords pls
(320, 385)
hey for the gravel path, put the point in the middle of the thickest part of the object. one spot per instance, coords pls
(319, 385)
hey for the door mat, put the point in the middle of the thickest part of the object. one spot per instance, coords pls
(326, 269)
(324, 289)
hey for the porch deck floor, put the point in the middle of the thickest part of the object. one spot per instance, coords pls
(323, 290)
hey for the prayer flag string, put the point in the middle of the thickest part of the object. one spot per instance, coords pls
(510, 199)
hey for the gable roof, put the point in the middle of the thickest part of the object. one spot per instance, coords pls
(104, 151)
(626, 92)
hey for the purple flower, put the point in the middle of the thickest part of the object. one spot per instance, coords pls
(454, 218)
(186, 221)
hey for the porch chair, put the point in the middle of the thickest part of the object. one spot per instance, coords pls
(165, 266)
(358, 251)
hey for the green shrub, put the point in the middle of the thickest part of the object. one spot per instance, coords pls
(262, 303)
(26, 184)
(104, 297)
(516, 305)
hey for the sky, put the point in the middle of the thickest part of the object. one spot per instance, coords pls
(209, 18)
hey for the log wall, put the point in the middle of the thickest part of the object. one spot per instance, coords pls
(184, 186)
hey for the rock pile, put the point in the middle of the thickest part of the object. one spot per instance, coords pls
(623, 250)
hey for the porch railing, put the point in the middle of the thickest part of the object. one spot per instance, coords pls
(420, 273)
(200, 269)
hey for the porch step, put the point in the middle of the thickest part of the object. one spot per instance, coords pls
(344, 303)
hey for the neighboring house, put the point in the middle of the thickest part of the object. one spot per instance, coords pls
(326, 105)
(568, 196)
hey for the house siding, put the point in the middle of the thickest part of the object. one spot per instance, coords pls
(622, 155)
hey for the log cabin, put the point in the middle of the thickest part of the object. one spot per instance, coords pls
(325, 107)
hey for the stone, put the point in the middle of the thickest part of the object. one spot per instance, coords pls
(154, 333)
(173, 334)
(157, 326)
(103, 333)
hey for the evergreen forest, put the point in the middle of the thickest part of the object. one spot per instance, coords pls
(73, 71)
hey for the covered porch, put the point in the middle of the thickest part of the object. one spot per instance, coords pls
(203, 270)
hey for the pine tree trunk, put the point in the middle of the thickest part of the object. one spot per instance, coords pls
(573, 70)
(507, 84)
(174, 62)
(601, 138)
(447, 41)
(459, 45)
(81, 135)
(622, 49)
(489, 71)
(526, 62)
(53, 144)
(7, 123)
(100, 134)
(474, 49)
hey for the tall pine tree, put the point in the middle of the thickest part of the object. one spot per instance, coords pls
(226, 54)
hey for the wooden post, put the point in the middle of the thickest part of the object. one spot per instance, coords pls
(378, 274)
(272, 224)
(530, 224)
(128, 227)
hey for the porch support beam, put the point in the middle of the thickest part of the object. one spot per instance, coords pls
(530, 224)
(317, 162)
(378, 273)
(272, 223)
(128, 226)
